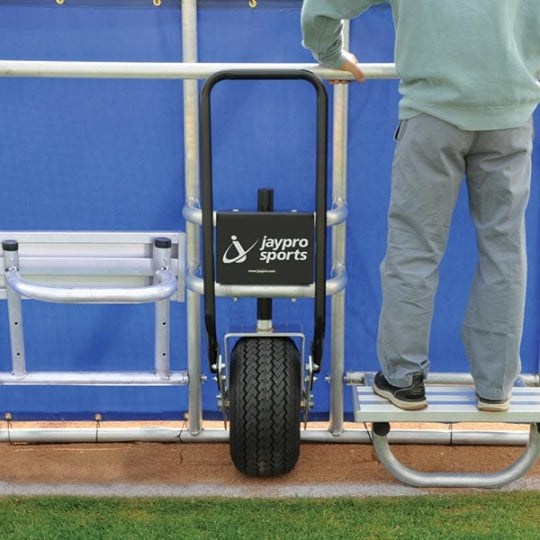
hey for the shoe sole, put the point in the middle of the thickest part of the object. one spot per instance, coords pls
(406, 405)
(493, 407)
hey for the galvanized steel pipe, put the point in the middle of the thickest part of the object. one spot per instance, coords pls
(191, 182)
(169, 70)
(101, 434)
(165, 287)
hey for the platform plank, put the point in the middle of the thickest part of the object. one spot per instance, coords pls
(452, 403)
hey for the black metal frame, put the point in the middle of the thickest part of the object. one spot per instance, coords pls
(207, 202)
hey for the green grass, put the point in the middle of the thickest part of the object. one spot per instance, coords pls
(488, 515)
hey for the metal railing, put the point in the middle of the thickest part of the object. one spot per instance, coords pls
(168, 70)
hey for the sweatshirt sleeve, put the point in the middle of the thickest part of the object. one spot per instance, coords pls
(321, 22)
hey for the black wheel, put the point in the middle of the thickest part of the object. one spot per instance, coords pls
(264, 405)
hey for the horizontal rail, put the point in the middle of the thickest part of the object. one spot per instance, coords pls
(362, 377)
(336, 215)
(333, 285)
(165, 287)
(95, 378)
(125, 240)
(120, 267)
(17, 434)
(169, 70)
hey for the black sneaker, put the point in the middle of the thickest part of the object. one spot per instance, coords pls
(410, 398)
(493, 405)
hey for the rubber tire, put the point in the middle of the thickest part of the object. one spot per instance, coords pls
(264, 406)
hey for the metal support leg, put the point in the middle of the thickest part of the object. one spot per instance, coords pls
(18, 361)
(162, 334)
(439, 479)
(162, 260)
(194, 363)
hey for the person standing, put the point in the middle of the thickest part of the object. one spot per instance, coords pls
(469, 84)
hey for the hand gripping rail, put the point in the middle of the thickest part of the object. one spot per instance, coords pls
(448, 404)
(151, 266)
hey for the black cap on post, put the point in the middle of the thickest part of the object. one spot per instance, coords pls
(10, 245)
(162, 242)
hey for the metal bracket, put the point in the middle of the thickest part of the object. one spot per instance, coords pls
(307, 397)
(222, 376)
(279, 331)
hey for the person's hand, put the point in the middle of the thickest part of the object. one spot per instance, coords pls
(350, 65)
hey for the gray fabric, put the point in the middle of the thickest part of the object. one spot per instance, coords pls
(431, 159)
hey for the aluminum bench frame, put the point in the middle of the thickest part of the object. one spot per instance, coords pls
(449, 404)
(96, 268)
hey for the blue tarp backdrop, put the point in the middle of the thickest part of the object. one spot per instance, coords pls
(91, 154)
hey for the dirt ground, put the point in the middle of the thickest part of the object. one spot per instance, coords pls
(209, 464)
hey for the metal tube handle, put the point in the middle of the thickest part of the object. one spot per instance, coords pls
(320, 210)
(164, 287)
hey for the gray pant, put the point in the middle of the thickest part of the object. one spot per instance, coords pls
(430, 161)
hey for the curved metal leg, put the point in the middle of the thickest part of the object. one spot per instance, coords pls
(439, 479)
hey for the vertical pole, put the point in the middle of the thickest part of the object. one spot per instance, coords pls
(11, 261)
(264, 305)
(191, 154)
(339, 193)
(161, 261)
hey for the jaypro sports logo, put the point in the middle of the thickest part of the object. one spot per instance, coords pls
(270, 249)
(264, 248)
(235, 253)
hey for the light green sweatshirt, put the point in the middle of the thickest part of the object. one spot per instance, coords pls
(472, 63)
